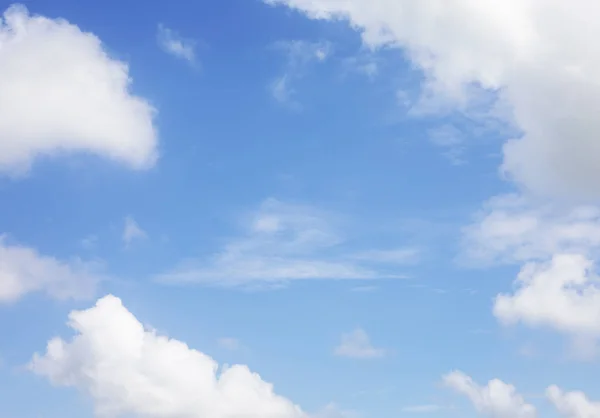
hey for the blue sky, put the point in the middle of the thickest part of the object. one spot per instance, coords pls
(375, 206)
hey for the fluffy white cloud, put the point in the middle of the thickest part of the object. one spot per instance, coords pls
(132, 231)
(23, 270)
(496, 399)
(128, 370)
(573, 404)
(60, 92)
(285, 242)
(533, 55)
(357, 344)
(563, 294)
(172, 43)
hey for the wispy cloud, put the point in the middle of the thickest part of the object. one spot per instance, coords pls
(299, 55)
(132, 231)
(172, 43)
(357, 344)
(284, 242)
(451, 141)
(23, 270)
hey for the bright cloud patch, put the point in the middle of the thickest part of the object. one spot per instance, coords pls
(534, 56)
(563, 294)
(60, 92)
(23, 270)
(496, 400)
(284, 242)
(510, 229)
(128, 370)
(572, 404)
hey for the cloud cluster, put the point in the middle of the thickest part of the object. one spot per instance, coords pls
(60, 92)
(534, 56)
(501, 400)
(497, 399)
(128, 370)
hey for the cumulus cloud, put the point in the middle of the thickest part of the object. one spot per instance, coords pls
(572, 404)
(128, 370)
(172, 43)
(24, 270)
(357, 344)
(563, 294)
(132, 231)
(496, 399)
(533, 56)
(284, 242)
(60, 92)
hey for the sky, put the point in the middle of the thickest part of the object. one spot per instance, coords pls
(299, 209)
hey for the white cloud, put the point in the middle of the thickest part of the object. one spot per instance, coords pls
(228, 343)
(534, 56)
(23, 270)
(573, 404)
(496, 399)
(356, 344)
(128, 370)
(172, 43)
(299, 55)
(512, 229)
(563, 294)
(60, 92)
(284, 242)
(132, 231)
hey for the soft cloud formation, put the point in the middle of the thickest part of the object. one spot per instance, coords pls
(284, 242)
(299, 55)
(172, 43)
(128, 370)
(60, 92)
(23, 270)
(573, 404)
(512, 229)
(496, 399)
(557, 286)
(563, 294)
(533, 56)
(357, 344)
(132, 231)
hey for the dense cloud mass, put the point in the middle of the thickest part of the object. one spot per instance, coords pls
(60, 92)
(129, 370)
(534, 54)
